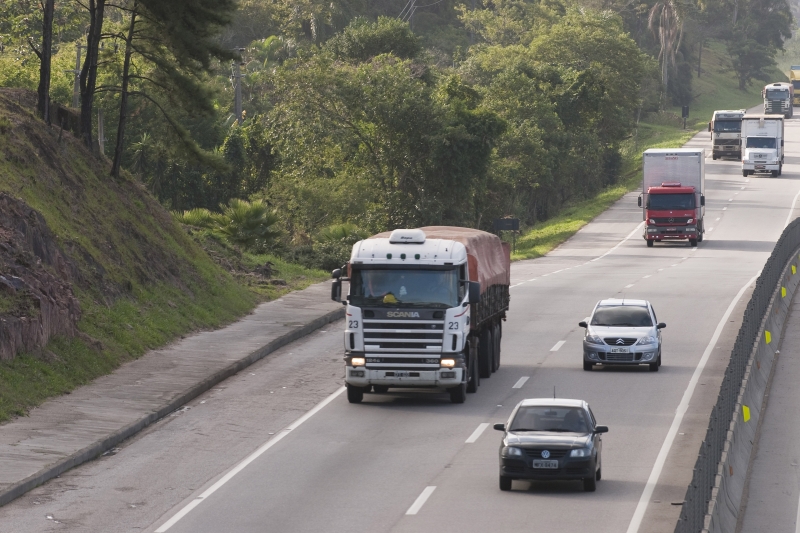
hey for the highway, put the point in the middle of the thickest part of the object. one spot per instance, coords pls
(414, 462)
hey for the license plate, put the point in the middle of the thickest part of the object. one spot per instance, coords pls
(620, 350)
(760, 167)
(401, 374)
(672, 229)
(545, 464)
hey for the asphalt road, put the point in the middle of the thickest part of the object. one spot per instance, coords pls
(373, 466)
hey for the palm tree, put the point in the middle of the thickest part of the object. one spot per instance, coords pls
(666, 23)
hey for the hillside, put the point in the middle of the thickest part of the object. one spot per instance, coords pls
(93, 271)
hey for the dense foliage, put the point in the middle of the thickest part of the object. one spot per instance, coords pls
(367, 116)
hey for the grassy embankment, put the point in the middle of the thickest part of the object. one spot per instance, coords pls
(716, 88)
(144, 281)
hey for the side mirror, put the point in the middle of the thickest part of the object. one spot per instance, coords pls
(337, 273)
(583, 324)
(709, 126)
(601, 429)
(336, 290)
(702, 199)
(474, 292)
(500, 427)
(661, 325)
(639, 200)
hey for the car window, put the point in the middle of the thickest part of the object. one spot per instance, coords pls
(560, 419)
(594, 420)
(621, 316)
(653, 310)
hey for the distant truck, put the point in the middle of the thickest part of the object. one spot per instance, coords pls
(424, 310)
(725, 128)
(794, 78)
(673, 195)
(762, 144)
(778, 98)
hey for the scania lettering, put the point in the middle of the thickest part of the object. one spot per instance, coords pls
(424, 310)
(762, 144)
(673, 195)
(725, 128)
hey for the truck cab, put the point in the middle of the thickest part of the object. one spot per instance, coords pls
(672, 213)
(762, 144)
(725, 128)
(778, 99)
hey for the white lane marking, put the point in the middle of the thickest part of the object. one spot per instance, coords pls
(724, 208)
(534, 279)
(620, 243)
(789, 216)
(557, 345)
(737, 192)
(517, 285)
(638, 514)
(742, 188)
(676, 264)
(693, 250)
(421, 499)
(629, 286)
(520, 382)
(660, 269)
(241, 466)
(647, 276)
(730, 199)
(477, 433)
(797, 520)
(716, 219)
(747, 180)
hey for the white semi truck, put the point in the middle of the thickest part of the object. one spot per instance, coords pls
(725, 128)
(424, 310)
(762, 144)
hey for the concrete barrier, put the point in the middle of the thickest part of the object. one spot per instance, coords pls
(726, 497)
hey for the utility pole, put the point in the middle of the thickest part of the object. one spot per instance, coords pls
(236, 78)
(76, 87)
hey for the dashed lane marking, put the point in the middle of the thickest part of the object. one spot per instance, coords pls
(555, 347)
(520, 382)
(477, 433)
(421, 499)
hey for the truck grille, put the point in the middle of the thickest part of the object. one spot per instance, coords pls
(727, 142)
(672, 220)
(774, 106)
(403, 343)
(612, 341)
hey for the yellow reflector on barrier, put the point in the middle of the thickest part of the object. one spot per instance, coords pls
(783, 292)
(768, 337)
(746, 413)
(794, 269)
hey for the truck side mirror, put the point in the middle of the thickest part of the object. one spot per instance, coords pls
(336, 290)
(337, 273)
(702, 199)
(639, 200)
(709, 126)
(474, 292)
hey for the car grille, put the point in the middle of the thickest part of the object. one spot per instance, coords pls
(612, 341)
(554, 454)
(672, 220)
(619, 357)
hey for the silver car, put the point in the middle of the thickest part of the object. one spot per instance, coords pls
(622, 332)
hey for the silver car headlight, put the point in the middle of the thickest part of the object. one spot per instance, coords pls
(647, 340)
(581, 452)
(510, 451)
(593, 339)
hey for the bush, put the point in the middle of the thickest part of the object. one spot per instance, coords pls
(250, 225)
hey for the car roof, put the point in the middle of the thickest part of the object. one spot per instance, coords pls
(552, 402)
(622, 301)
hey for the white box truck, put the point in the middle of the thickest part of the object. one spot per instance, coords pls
(673, 194)
(762, 144)
(725, 128)
(424, 310)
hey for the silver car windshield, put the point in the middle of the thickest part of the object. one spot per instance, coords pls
(559, 419)
(622, 316)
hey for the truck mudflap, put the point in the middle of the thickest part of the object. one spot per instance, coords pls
(444, 378)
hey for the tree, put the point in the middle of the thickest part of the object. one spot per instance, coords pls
(45, 59)
(666, 23)
(88, 76)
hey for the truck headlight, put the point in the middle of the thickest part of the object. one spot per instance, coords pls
(448, 363)
(690, 221)
(357, 361)
(510, 451)
(651, 221)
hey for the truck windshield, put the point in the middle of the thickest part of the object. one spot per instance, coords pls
(622, 316)
(409, 288)
(777, 94)
(796, 84)
(671, 201)
(727, 126)
(760, 142)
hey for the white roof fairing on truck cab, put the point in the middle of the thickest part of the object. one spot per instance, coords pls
(431, 252)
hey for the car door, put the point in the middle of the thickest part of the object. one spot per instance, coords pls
(597, 438)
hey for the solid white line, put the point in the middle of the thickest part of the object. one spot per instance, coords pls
(477, 433)
(557, 345)
(421, 499)
(638, 515)
(520, 383)
(789, 217)
(241, 466)
(629, 286)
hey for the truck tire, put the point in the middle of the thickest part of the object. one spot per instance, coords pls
(498, 337)
(650, 243)
(714, 157)
(485, 353)
(354, 394)
(473, 376)
(458, 394)
(774, 173)
(744, 173)
(692, 242)
(780, 169)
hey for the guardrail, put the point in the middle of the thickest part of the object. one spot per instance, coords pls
(713, 499)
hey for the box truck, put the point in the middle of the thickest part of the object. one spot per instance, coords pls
(424, 310)
(725, 128)
(673, 195)
(762, 144)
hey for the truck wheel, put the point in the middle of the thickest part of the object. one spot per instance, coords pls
(780, 170)
(505, 483)
(498, 335)
(354, 394)
(714, 157)
(744, 173)
(692, 242)
(774, 173)
(473, 376)
(458, 394)
(485, 353)
(650, 244)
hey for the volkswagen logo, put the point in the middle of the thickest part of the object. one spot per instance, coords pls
(620, 341)
(545, 454)
(671, 220)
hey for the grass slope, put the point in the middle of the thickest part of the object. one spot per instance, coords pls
(716, 88)
(144, 280)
